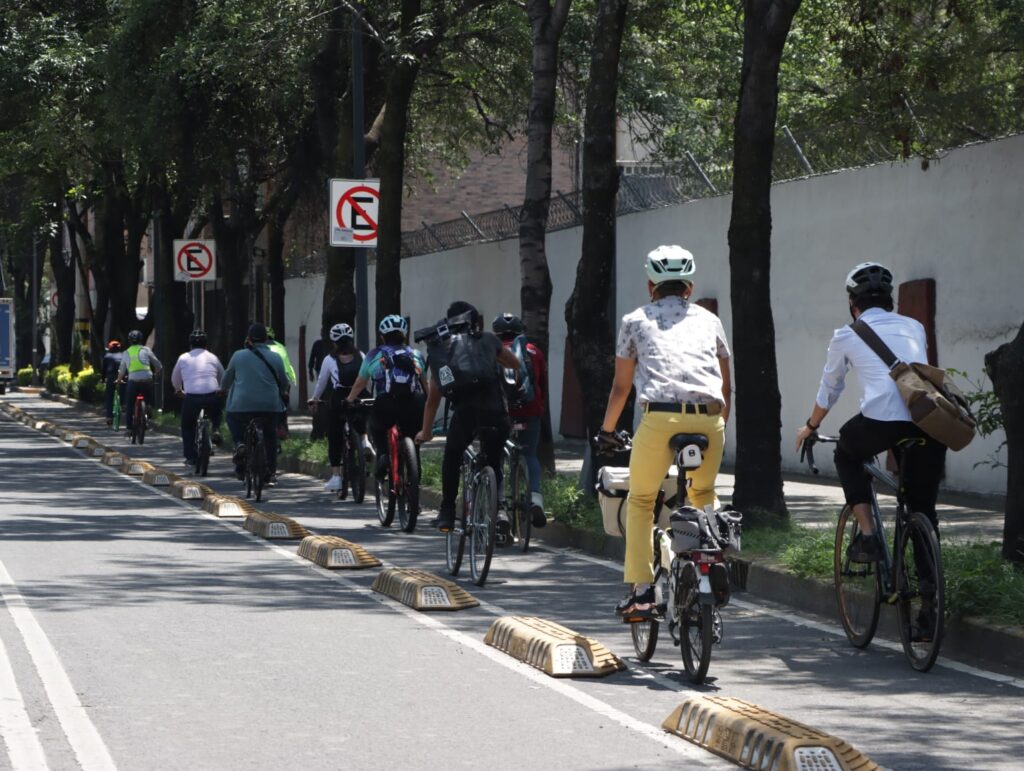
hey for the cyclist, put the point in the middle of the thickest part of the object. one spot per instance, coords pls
(338, 373)
(883, 419)
(111, 365)
(396, 370)
(483, 407)
(138, 365)
(278, 347)
(196, 378)
(256, 382)
(676, 354)
(317, 353)
(508, 328)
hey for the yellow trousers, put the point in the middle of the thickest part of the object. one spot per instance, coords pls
(648, 464)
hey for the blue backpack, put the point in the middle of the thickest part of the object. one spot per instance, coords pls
(519, 386)
(400, 376)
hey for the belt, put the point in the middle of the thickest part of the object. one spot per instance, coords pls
(686, 408)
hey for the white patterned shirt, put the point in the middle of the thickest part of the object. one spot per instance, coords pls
(677, 346)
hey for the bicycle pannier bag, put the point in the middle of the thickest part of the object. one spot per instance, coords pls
(612, 490)
(938, 408)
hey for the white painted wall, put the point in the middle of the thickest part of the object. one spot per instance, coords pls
(959, 222)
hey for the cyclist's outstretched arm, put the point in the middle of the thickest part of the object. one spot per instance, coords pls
(621, 386)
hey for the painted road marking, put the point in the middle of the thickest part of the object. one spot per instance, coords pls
(85, 740)
(23, 746)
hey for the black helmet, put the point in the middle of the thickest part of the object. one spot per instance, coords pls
(507, 325)
(257, 333)
(460, 308)
(869, 278)
(197, 339)
(135, 337)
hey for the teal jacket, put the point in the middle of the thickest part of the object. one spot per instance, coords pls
(250, 385)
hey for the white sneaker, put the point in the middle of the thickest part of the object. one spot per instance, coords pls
(366, 443)
(333, 484)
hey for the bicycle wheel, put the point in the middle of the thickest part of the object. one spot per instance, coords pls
(697, 627)
(355, 466)
(409, 502)
(116, 412)
(140, 421)
(645, 633)
(259, 467)
(455, 539)
(204, 446)
(858, 586)
(483, 530)
(921, 590)
(381, 493)
(519, 497)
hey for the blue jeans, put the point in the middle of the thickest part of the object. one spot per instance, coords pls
(529, 438)
(190, 412)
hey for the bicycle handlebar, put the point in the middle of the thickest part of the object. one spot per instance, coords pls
(807, 449)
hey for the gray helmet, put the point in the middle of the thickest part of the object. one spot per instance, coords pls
(869, 278)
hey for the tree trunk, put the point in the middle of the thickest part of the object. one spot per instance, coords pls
(758, 404)
(275, 270)
(64, 318)
(547, 24)
(589, 312)
(1005, 367)
(391, 168)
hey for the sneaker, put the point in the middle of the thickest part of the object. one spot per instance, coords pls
(189, 464)
(537, 515)
(637, 606)
(864, 548)
(333, 484)
(366, 444)
(503, 529)
(445, 520)
(272, 479)
(218, 440)
(923, 628)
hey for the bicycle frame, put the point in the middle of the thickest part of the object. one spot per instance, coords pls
(394, 439)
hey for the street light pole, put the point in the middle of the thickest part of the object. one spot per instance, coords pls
(358, 172)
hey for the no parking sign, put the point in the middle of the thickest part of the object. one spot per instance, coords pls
(195, 260)
(355, 204)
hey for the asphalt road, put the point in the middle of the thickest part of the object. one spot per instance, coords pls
(140, 632)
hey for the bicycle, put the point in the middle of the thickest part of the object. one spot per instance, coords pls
(115, 413)
(478, 518)
(691, 582)
(399, 488)
(912, 578)
(257, 469)
(353, 457)
(137, 434)
(518, 488)
(204, 443)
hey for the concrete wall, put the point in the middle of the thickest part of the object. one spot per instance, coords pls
(957, 222)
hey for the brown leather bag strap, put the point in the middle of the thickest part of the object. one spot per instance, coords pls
(874, 342)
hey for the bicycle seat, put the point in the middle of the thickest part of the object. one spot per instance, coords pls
(679, 441)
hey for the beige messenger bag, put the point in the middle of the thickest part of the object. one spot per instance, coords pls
(938, 408)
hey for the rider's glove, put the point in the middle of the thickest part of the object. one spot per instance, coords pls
(610, 440)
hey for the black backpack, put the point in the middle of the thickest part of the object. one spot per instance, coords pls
(459, 361)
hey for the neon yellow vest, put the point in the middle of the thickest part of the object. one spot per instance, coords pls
(134, 362)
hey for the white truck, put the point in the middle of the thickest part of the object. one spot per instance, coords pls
(8, 363)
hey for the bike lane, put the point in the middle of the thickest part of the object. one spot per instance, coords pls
(802, 668)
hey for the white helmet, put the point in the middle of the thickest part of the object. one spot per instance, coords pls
(393, 323)
(670, 263)
(869, 277)
(339, 331)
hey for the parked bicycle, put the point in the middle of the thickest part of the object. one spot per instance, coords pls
(399, 489)
(204, 443)
(691, 581)
(257, 467)
(477, 520)
(909, 576)
(517, 487)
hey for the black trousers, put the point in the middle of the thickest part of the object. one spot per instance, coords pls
(465, 424)
(337, 412)
(212, 403)
(131, 390)
(861, 438)
(388, 411)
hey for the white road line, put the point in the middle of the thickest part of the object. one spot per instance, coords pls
(85, 740)
(830, 629)
(23, 746)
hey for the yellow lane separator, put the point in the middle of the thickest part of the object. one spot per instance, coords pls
(421, 590)
(330, 551)
(273, 526)
(226, 506)
(552, 648)
(157, 477)
(188, 490)
(757, 739)
(113, 458)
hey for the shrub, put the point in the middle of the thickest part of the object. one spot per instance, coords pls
(86, 383)
(25, 376)
(58, 379)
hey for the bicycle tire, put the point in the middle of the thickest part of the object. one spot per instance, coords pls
(410, 474)
(140, 422)
(455, 540)
(696, 639)
(645, 633)
(115, 413)
(355, 466)
(204, 446)
(858, 586)
(259, 467)
(381, 490)
(522, 522)
(484, 531)
(913, 585)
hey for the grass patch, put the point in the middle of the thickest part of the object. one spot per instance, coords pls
(304, 449)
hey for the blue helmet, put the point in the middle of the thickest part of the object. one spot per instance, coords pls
(393, 323)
